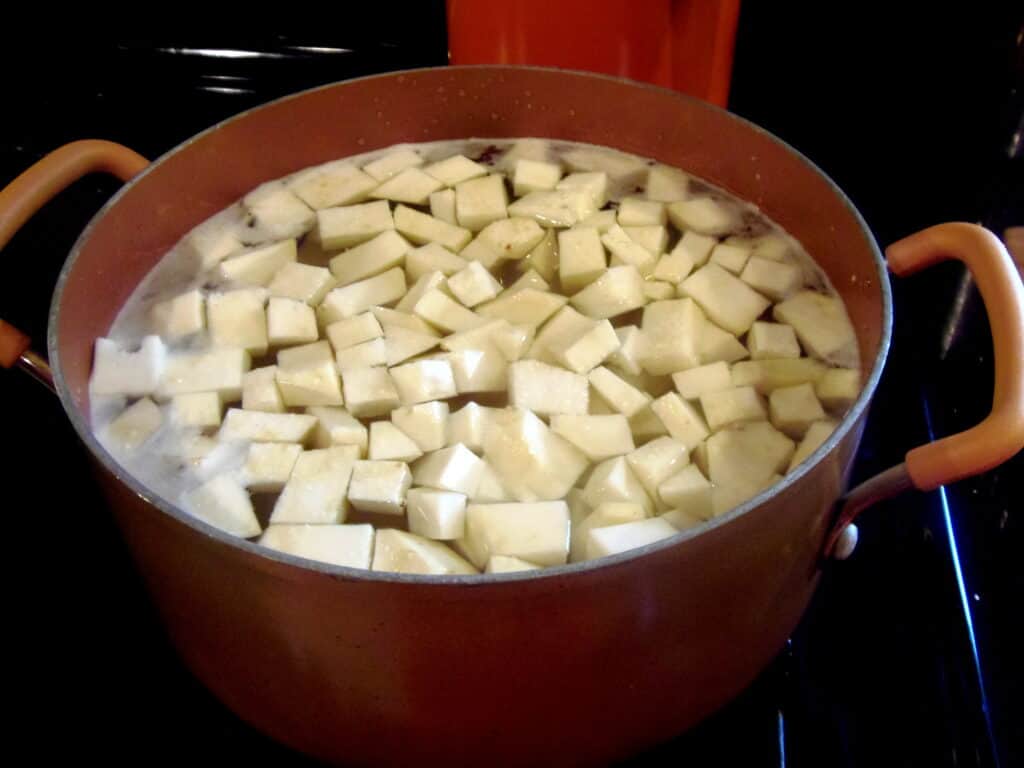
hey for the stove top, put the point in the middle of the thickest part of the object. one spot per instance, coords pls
(906, 655)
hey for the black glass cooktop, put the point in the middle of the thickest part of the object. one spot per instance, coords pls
(907, 655)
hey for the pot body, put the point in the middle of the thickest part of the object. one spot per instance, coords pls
(574, 667)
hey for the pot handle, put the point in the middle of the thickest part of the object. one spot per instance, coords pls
(29, 192)
(1001, 435)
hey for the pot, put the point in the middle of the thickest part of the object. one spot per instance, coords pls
(579, 664)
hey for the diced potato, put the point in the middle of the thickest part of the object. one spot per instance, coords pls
(197, 409)
(429, 282)
(537, 531)
(351, 225)
(260, 392)
(370, 392)
(390, 319)
(223, 503)
(238, 319)
(794, 409)
(564, 327)
(581, 258)
(772, 341)
(478, 202)
(608, 513)
(336, 426)
(626, 251)
(704, 215)
(681, 419)
(426, 424)
(307, 375)
(388, 165)
(366, 355)
(525, 307)
(768, 375)
(389, 443)
(822, 325)
(637, 212)
(598, 437)
(473, 285)
(332, 184)
(181, 316)
(727, 300)
(815, 436)
(681, 520)
(379, 486)
(617, 291)
(592, 183)
(421, 228)
(627, 357)
(688, 491)
(437, 515)
(511, 238)
(424, 380)
(613, 539)
(269, 465)
(555, 208)
(274, 213)
(534, 175)
(316, 491)
(116, 371)
(218, 370)
(657, 461)
(718, 345)
(730, 257)
(602, 221)
(505, 564)
(490, 489)
(354, 330)
(838, 388)
(623, 168)
(613, 480)
(260, 426)
(693, 383)
(724, 407)
(544, 256)
(409, 186)
(697, 246)
(301, 282)
(666, 184)
(619, 394)
(467, 426)
(455, 468)
(432, 258)
(656, 290)
(258, 266)
(401, 552)
(379, 254)
(670, 335)
(290, 322)
(440, 310)
(675, 266)
(350, 546)
(478, 370)
(356, 298)
(775, 279)
(455, 169)
(590, 349)
(541, 388)
(214, 240)
(442, 206)
(512, 341)
(645, 425)
(746, 454)
(135, 424)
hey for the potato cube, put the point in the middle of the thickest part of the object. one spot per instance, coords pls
(350, 546)
(473, 285)
(768, 375)
(388, 442)
(332, 184)
(666, 184)
(656, 290)
(477, 370)
(617, 291)
(215, 239)
(581, 258)
(626, 251)
(525, 307)
(670, 335)
(135, 424)
(675, 266)
(432, 258)
(556, 207)
(645, 426)
(608, 513)
(838, 388)
(316, 491)
(307, 375)
(657, 461)
(442, 311)
(181, 316)
(354, 330)
(775, 279)
(478, 202)
(747, 454)
(544, 256)
(602, 221)
(370, 392)
(455, 169)
(730, 257)
(681, 419)
(455, 468)
(542, 388)
(617, 393)
(409, 186)
(693, 383)
(379, 254)
(490, 488)
(627, 357)
(356, 298)
(424, 380)
(512, 341)
(392, 163)
(717, 345)
(424, 285)
(467, 426)
(815, 436)
(365, 355)
(269, 465)
(822, 325)
(238, 319)
(705, 216)
(613, 480)
(290, 322)
(511, 238)
(564, 327)
(336, 426)
(351, 225)
(420, 228)
(223, 503)
(537, 531)
(772, 341)
(592, 183)
(734, 405)
(688, 491)
(442, 206)
(439, 515)
(218, 370)
(534, 175)
(401, 552)
(794, 409)
(197, 409)
(425, 423)
(116, 371)
(590, 349)
(505, 564)
(401, 344)
(260, 392)
(612, 539)
(637, 212)
(727, 300)
(301, 282)
(379, 486)
(598, 437)
(260, 426)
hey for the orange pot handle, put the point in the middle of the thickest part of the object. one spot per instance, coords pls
(29, 192)
(1001, 435)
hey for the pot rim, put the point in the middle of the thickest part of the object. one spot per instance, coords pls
(80, 423)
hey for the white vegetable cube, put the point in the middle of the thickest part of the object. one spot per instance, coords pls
(350, 546)
(478, 202)
(732, 406)
(135, 424)
(238, 319)
(218, 370)
(608, 513)
(611, 540)
(816, 434)
(537, 532)
(385, 251)
(400, 344)
(441, 310)
(269, 465)
(666, 184)
(541, 388)
(490, 487)
(627, 357)
(332, 184)
(704, 215)
(467, 426)
(525, 307)
(531, 278)
(275, 212)
(350, 225)
(379, 486)
(214, 240)
(478, 370)
(365, 355)
(409, 186)
(681, 520)
(223, 503)
(772, 341)
(336, 426)
(389, 443)
(637, 212)
(838, 388)
(511, 238)
(290, 322)
(822, 325)
(260, 392)
(442, 206)
(420, 228)
(351, 300)
(316, 490)
(730, 257)
(693, 383)
(425, 423)
(617, 291)
(432, 258)
(455, 169)
(513, 341)
(301, 282)
(590, 349)
(673, 267)
(598, 437)
(307, 375)
(437, 515)
(197, 409)
(718, 345)
(581, 258)
(260, 426)
(401, 552)
(622, 396)
(564, 327)
(473, 285)
(794, 409)
(116, 371)
(726, 299)
(602, 221)
(505, 564)
(534, 175)
(656, 290)
(258, 266)
(775, 279)
(626, 251)
(592, 184)
(426, 283)
(688, 491)
(354, 330)
(544, 256)
(424, 380)
(455, 469)
(645, 425)
(767, 375)
(181, 316)
(747, 455)
(370, 392)
(388, 165)
(671, 332)
(657, 461)
(681, 419)
(613, 480)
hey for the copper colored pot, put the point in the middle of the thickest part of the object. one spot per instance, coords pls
(579, 664)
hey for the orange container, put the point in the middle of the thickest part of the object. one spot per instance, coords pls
(686, 45)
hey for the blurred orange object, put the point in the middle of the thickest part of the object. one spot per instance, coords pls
(686, 45)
